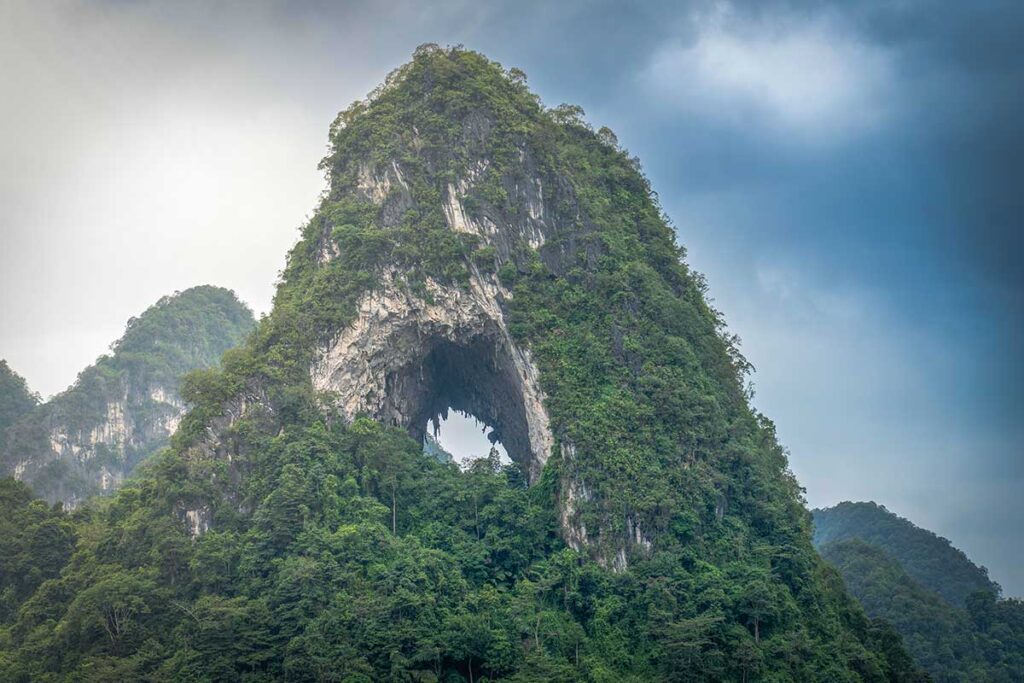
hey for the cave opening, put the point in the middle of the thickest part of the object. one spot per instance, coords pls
(466, 395)
(461, 438)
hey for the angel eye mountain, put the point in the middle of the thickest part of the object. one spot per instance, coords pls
(87, 439)
(480, 252)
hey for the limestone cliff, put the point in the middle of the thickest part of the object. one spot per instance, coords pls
(479, 252)
(405, 359)
(87, 439)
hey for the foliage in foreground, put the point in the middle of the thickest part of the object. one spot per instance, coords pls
(367, 560)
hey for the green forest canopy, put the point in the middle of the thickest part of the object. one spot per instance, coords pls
(982, 641)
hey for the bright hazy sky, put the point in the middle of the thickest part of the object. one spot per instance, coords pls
(847, 175)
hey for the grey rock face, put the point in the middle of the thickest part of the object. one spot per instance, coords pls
(411, 353)
(407, 358)
(405, 361)
(68, 457)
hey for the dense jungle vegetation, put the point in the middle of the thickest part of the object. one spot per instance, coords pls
(340, 552)
(945, 607)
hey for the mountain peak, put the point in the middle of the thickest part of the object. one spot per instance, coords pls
(88, 438)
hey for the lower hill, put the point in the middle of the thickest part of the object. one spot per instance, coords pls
(87, 439)
(904, 575)
(929, 559)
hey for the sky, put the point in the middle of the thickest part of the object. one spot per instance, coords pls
(848, 176)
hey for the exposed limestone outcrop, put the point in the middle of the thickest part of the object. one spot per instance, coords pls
(410, 354)
(406, 360)
(84, 455)
(88, 439)
(573, 494)
(408, 357)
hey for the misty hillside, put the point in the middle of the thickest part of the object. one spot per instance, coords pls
(931, 560)
(904, 575)
(87, 439)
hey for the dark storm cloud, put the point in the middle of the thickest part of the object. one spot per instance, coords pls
(966, 67)
(873, 268)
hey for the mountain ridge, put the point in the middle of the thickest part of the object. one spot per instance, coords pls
(931, 560)
(945, 607)
(88, 438)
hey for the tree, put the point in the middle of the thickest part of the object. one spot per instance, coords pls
(281, 516)
(110, 614)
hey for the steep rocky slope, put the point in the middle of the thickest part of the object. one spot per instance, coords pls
(475, 251)
(87, 439)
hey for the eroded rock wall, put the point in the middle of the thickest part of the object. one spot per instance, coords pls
(67, 457)
(384, 364)
(407, 357)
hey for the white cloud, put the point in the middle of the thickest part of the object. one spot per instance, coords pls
(150, 146)
(141, 157)
(808, 77)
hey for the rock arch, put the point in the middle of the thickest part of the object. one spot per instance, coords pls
(405, 360)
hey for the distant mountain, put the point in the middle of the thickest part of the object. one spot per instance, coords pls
(433, 448)
(929, 559)
(87, 439)
(922, 585)
(15, 398)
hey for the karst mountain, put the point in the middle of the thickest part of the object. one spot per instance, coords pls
(475, 251)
